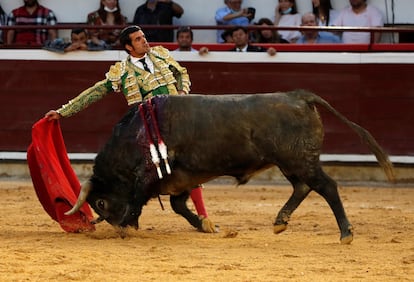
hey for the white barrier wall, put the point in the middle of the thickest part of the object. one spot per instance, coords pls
(201, 12)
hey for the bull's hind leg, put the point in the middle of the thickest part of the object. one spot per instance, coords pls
(179, 205)
(300, 191)
(327, 188)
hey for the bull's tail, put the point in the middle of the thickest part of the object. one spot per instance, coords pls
(365, 136)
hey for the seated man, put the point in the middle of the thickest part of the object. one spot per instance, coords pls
(79, 41)
(359, 14)
(158, 12)
(185, 37)
(240, 37)
(31, 14)
(233, 14)
(314, 36)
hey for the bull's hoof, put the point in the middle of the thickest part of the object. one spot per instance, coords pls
(122, 231)
(279, 228)
(348, 237)
(207, 226)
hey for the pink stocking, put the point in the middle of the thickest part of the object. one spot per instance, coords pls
(197, 198)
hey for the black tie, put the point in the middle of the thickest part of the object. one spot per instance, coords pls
(144, 64)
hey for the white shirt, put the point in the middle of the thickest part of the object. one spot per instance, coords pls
(244, 49)
(290, 20)
(137, 63)
(192, 50)
(371, 17)
(333, 15)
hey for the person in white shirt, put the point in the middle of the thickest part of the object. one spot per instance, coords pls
(185, 37)
(360, 14)
(324, 12)
(286, 15)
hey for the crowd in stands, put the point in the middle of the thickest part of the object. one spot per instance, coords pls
(359, 13)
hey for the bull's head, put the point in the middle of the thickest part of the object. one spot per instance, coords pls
(120, 210)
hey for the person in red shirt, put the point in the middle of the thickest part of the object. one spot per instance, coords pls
(31, 13)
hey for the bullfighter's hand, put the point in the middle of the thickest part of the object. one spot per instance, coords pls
(51, 115)
(181, 92)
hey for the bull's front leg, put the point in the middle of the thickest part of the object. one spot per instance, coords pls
(179, 205)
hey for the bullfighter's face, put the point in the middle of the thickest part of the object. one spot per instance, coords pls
(139, 45)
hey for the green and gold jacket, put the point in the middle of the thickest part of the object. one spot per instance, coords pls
(136, 84)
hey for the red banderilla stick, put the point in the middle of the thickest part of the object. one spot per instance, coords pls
(154, 154)
(161, 145)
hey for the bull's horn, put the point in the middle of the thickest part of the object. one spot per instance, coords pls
(83, 194)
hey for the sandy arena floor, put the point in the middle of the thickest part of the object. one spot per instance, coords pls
(167, 248)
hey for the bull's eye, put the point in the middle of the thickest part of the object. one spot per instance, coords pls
(101, 204)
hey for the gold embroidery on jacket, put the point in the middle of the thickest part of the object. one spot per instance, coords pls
(136, 84)
(147, 82)
(114, 75)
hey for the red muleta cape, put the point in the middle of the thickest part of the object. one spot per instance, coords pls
(54, 180)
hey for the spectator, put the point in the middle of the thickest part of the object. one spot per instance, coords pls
(360, 14)
(240, 36)
(324, 12)
(79, 41)
(31, 13)
(313, 36)
(3, 22)
(226, 36)
(286, 15)
(267, 35)
(232, 14)
(158, 12)
(185, 37)
(146, 72)
(109, 13)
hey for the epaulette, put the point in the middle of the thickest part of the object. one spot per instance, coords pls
(115, 73)
(160, 52)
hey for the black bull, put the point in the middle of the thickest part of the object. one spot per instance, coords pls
(214, 135)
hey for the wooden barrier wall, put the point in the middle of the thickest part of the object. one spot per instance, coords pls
(377, 93)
